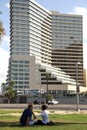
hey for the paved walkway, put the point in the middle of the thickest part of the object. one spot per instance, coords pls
(50, 107)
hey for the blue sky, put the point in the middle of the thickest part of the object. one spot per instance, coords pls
(63, 6)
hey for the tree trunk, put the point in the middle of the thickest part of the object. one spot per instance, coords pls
(8, 101)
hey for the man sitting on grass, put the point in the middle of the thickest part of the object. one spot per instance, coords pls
(26, 117)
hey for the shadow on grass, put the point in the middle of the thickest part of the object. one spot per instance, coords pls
(11, 124)
(67, 123)
(17, 124)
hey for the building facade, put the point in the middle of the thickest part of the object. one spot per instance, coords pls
(67, 44)
(30, 30)
(35, 47)
(30, 36)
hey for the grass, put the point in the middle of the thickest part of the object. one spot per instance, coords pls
(62, 122)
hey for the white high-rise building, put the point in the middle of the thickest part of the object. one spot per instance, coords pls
(32, 47)
(30, 39)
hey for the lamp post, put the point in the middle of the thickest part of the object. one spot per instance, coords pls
(40, 88)
(77, 86)
(47, 78)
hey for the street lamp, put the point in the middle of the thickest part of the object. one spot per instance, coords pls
(77, 86)
(47, 78)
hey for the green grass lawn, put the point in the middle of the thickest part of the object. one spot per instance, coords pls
(62, 122)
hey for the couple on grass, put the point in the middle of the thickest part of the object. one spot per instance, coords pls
(26, 117)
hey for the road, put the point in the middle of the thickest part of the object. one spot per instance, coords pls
(50, 107)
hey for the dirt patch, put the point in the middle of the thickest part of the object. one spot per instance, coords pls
(69, 112)
(11, 114)
(51, 112)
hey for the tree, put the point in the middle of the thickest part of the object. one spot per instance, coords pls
(2, 31)
(3, 88)
(48, 96)
(47, 78)
(10, 93)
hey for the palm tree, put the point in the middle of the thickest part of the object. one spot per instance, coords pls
(10, 93)
(2, 31)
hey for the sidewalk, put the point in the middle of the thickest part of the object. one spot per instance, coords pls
(59, 107)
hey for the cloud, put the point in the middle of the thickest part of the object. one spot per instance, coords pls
(4, 43)
(7, 5)
(4, 55)
(83, 11)
(80, 10)
(5, 39)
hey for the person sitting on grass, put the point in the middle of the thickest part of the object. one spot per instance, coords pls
(26, 117)
(45, 117)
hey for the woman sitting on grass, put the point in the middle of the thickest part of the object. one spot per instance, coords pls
(45, 117)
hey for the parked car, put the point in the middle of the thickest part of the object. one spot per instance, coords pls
(36, 102)
(53, 101)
